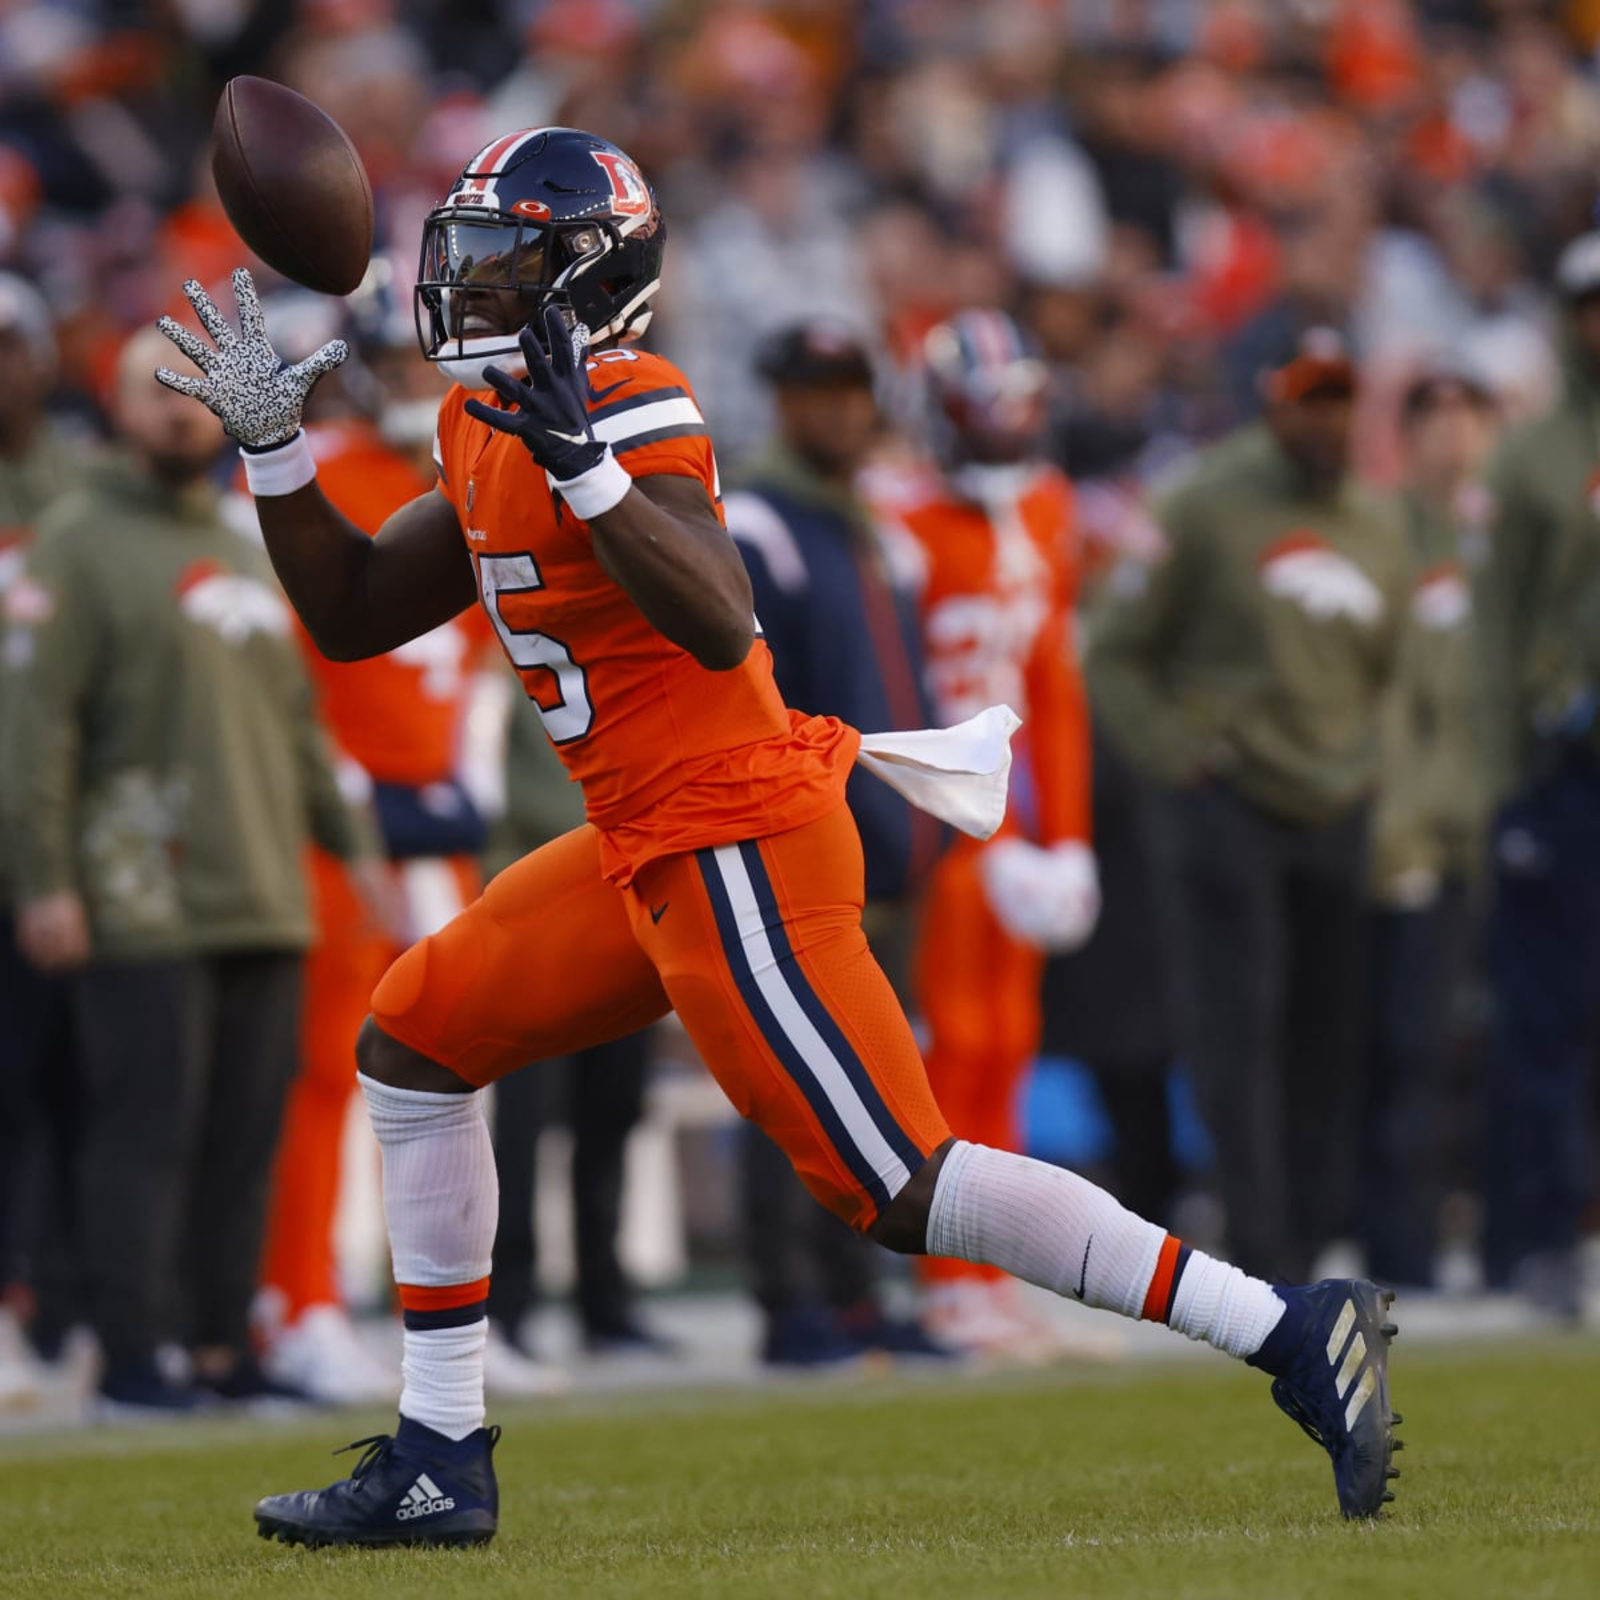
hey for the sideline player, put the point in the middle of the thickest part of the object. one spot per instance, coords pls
(993, 523)
(719, 873)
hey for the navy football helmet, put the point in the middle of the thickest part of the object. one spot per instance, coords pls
(987, 390)
(549, 215)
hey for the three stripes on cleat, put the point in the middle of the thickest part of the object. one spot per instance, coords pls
(1349, 1356)
(1346, 1383)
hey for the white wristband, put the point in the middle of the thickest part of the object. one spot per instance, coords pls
(602, 487)
(280, 470)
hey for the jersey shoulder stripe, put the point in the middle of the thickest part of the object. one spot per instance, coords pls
(650, 423)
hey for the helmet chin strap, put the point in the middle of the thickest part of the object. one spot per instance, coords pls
(473, 355)
(467, 367)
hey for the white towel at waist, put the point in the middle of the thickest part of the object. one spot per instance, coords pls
(957, 774)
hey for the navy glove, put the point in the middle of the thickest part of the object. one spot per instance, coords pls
(551, 408)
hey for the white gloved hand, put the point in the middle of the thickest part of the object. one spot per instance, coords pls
(257, 398)
(1049, 898)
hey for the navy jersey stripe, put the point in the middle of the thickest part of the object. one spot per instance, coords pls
(682, 430)
(786, 1050)
(821, 1018)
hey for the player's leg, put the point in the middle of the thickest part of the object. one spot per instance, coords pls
(761, 952)
(759, 946)
(1325, 1344)
(542, 964)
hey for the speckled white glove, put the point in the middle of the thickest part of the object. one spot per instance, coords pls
(257, 398)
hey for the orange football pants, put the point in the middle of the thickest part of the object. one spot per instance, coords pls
(979, 993)
(758, 948)
(342, 968)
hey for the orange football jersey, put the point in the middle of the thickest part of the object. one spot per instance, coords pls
(997, 607)
(399, 714)
(671, 756)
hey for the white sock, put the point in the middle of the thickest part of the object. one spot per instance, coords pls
(1048, 1226)
(441, 1198)
(1044, 1225)
(442, 1369)
(1224, 1306)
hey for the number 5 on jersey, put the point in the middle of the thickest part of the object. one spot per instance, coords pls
(572, 715)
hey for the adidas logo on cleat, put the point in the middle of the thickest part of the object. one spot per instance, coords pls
(1354, 1362)
(423, 1499)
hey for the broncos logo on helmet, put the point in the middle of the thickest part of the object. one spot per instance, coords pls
(545, 215)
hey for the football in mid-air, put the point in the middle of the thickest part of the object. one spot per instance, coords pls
(292, 185)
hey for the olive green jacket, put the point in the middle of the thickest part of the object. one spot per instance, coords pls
(28, 483)
(1538, 597)
(1259, 650)
(161, 754)
(1433, 797)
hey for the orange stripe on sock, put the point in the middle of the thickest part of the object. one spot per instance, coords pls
(442, 1297)
(1160, 1290)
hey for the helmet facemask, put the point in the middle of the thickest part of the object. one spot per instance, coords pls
(485, 277)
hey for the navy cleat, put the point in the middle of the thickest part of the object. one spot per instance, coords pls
(1329, 1357)
(412, 1487)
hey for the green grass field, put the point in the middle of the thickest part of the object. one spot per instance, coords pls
(1127, 1481)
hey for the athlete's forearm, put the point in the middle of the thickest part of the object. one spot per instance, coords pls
(361, 596)
(681, 569)
(321, 559)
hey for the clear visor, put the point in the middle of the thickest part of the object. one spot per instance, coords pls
(471, 270)
(484, 255)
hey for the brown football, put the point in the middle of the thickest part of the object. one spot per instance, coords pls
(292, 185)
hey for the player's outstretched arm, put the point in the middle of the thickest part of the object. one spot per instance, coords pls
(659, 537)
(357, 596)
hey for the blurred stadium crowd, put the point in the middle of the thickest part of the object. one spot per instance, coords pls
(1195, 211)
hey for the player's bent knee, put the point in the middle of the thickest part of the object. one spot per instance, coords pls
(385, 1060)
(902, 1226)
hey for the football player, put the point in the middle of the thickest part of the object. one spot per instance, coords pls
(719, 874)
(994, 524)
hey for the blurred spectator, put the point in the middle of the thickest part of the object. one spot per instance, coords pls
(775, 245)
(837, 601)
(1429, 826)
(1540, 609)
(598, 1093)
(1244, 675)
(162, 774)
(36, 464)
(993, 523)
(396, 723)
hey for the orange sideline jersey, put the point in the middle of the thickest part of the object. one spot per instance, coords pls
(997, 603)
(671, 756)
(399, 714)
